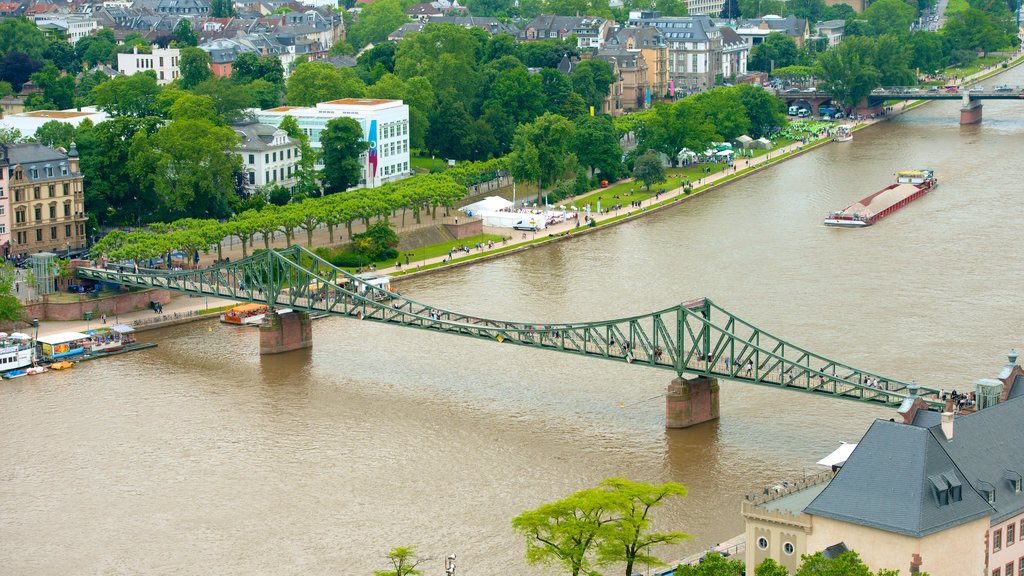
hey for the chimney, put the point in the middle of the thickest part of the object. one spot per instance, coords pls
(947, 425)
(1012, 355)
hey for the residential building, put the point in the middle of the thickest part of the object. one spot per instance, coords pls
(28, 122)
(704, 7)
(930, 492)
(385, 125)
(73, 26)
(694, 49)
(42, 207)
(734, 53)
(755, 31)
(631, 89)
(492, 26)
(833, 30)
(162, 61)
(650, 43)
(11, 104)
(175, 7)
(268, 155)
(590, 31)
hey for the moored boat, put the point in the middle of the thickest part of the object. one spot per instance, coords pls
(15, 374)
(909, 186)
(36, 370)
(245, 314)
(16, 351)
(62, 365)
(843, 134)
(111, 339)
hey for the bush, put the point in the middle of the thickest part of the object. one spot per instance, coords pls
(348, 260)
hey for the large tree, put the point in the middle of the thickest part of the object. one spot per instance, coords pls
(446, 55)
(628, 539)
(184, 35)
(648, 170)
(55, 134)
(341, 143)
(194, 64)
(848, 70)
(592, 79)
(565, 532)
(725, 109)
(376, 21)
(133, 95)
(58, 90)
(776, 51)
(11, 308)
(596, 145)
(544, 145)
(313, 82)
(889, 17)
(764, 110)
(113, 192)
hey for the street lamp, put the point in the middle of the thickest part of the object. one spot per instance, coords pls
(449, 565)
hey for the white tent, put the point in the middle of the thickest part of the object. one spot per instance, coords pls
(724, 153)
(762, 144)
(744, 141)
(686, 155)
(490, 204)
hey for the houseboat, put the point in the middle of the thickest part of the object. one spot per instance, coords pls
(245, 315)
(909, 186)
(16, 351)
(111, 339)
(63, 345)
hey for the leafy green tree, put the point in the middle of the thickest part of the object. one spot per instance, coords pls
(58, 89)
(777, 51)
(377, 61)
(341, 143)
(889, 17)
(764, 110)
(62, 54)
(112, 191)
(730, 10)
(403, 562)
(248, 67)
(55, 134)
(11, 308)
(810, 10)
(725, 110)
(491, 7)
(184, 35)
(596, 145)
(229, 98)
(376, 21)
(194, 64)
(450, 126)
(222, 9)
(544, 145)
(5, 89)
(128, 95)
(378, 242)
(627, 539)
(559, 97)
(648, 169)
(16, 67)
(973, 29)
(306, 175)
(712, 565)
(195, 107)
(770, 568)
(927, 52)
(87, 81)
(892, 60)
(313, 82)
(758, 8)
(264, 94)
(848, 70)
(591, 79)
(100, 48)
(22, 35)
(565, 532)
(846, 564)
(446, 55)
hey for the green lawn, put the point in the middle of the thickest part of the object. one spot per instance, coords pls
(635, 192)
(420, 254)
(978, 65)
(955, 6)
(425, 164)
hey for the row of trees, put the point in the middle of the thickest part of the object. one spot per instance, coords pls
(414, 196)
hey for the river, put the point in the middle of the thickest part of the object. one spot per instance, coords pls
(200, 457)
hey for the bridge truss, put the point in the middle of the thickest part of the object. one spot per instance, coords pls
(696, 337)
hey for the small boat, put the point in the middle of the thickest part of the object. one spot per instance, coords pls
(15, 374)
(245, 315)
(36, 370)
(16, 351)
(843, 134)
(62, 365)
(909, 186)
(110, 339)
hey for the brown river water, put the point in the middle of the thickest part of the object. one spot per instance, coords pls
(201, 457)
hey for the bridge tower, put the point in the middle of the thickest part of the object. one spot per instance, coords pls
(970, 112)
(285, 332)
(690, 402)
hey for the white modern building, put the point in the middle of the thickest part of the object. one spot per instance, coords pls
(73, 26)
(28, 122)
(162, 61)
(385, 126)
(268, 155)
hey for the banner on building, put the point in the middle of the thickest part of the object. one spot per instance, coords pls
(648, 97)
(371, 154)
(591, 110)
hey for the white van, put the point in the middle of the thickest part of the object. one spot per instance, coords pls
(529, 225)
(794, 110)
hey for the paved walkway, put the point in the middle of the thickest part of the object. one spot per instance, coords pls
(179, 308)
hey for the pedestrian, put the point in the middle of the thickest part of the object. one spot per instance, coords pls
(103, 318)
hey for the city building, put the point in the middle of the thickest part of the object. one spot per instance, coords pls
(650, 43)
(28, 122)
(734, 53)
(42, 207)
(162, 61)
(73, 26)
(704, 7)
(833, 30)
(492, 26)
(929, 492)
(268, 155)
(590, 31)
(631, 89)
(385, 126)
(755, 31)
(694, 49)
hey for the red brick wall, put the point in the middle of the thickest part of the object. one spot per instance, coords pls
(119, 304)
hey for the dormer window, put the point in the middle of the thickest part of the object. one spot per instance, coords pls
(1014, 480)
(955, 486)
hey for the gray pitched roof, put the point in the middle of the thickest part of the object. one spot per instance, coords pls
(29, 153)
(887, 483)
(697, 28)
(986, 445)
(255, 137)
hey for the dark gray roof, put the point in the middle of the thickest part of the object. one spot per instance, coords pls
(1018, 388)
(256, 137)
(643, 37)
(985, 445)
(30, 153)
(558, 25)
(730, 38)
(627, 60)
(887, 483)
(697, 28)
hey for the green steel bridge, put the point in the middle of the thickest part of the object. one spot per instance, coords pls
(694, 338)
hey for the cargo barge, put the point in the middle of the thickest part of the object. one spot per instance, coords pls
(909, 186)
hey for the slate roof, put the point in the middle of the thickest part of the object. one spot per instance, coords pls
(643, 37)
(624, 59)
(731, 39)
(255, 137)
(29, 153)
(697, 28)
(887, 483)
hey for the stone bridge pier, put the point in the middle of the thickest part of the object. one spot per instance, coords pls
(285, 332)
(690, 402)
(970, 113)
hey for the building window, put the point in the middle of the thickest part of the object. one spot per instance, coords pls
(1020, 566)
(252, 177)
(67, 188)
(67, 208)
(67, 230)
(252, 158)
(53, 232)
(39, 213)
(35, 193)
(49, 172)
(997, 540)
(1009, 568)
(39, 234)
(19, 217)
(50, 190)
(266, 158)
(1010, 533)
(995, 572)
(53, 211)
(63, 170)
(762, 543)
(788, 548)
(17, 194)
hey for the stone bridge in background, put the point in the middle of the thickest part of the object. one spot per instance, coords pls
(971, 97)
